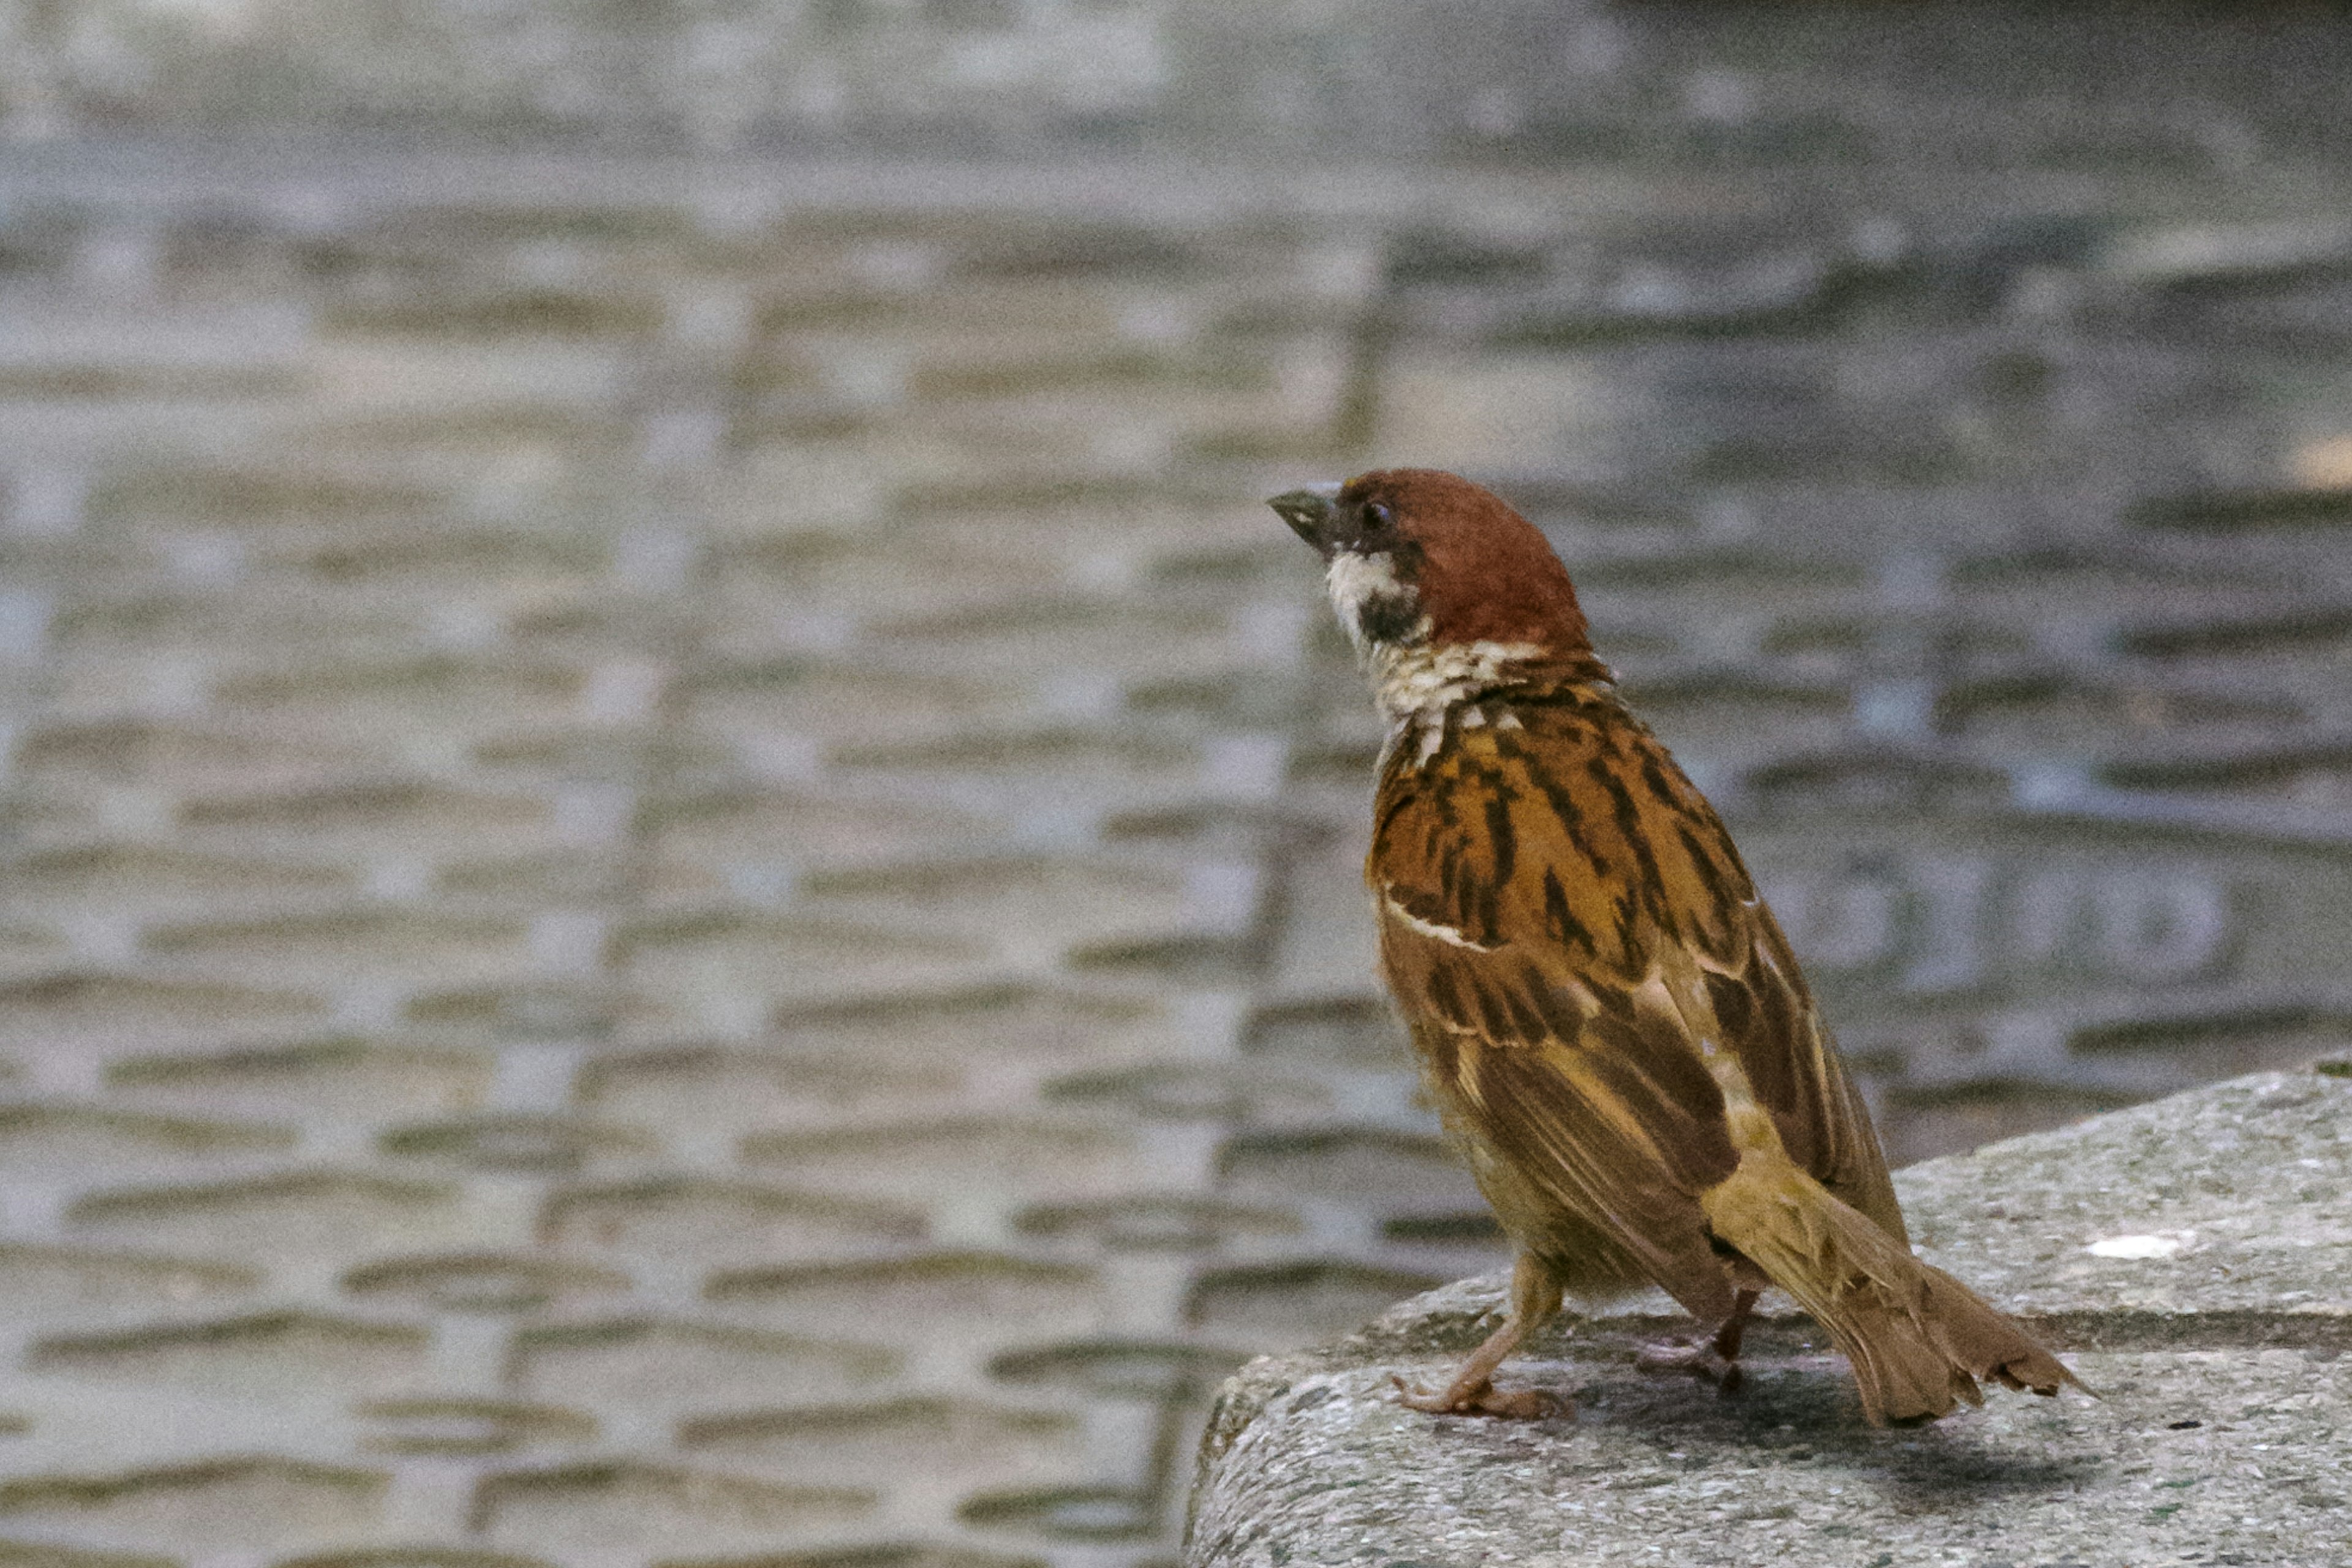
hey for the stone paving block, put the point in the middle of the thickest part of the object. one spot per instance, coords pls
(659, 1364)
(253, 1504)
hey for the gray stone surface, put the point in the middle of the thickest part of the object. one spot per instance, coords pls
(2192, 1256)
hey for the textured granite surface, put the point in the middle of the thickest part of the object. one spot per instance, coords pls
(2192, 1256)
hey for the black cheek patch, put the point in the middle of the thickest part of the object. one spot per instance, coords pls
(1388, 617)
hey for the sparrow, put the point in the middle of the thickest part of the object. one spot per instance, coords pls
(1607, 1016)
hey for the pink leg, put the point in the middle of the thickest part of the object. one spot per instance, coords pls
(1716, 1359)
(1535, 1297)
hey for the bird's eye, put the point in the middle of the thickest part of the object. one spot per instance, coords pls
(1377, 516)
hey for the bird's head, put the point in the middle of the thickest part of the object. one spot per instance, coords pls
(1416, 558)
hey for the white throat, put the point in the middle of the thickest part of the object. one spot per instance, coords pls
(1415, 680)
(1416, 683)
(1367, 593)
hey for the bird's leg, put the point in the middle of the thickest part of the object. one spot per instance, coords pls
(1715, 1358)
(1535, 1297)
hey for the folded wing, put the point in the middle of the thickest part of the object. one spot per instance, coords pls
(1569, 928)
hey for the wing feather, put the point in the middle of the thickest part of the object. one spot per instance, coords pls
(1566, 922)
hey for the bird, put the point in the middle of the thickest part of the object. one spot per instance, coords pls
(1608, 1017)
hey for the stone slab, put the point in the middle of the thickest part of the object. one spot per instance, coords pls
(2211, 1320)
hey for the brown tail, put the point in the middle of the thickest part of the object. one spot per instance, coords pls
(1918, 1339)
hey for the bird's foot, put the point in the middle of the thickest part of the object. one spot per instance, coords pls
(1699, 1358)
(1483, 1398)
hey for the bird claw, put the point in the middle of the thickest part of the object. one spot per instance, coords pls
(1700, 1360)
(1485, 1399)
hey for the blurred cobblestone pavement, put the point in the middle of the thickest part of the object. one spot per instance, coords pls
(681, 849)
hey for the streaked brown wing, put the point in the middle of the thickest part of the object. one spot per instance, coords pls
(1767, 1012)
(1566, 912)
(1615, 1129)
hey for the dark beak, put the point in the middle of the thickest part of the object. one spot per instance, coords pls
(1310, 512)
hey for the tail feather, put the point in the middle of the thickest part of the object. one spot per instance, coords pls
(1918, 1339)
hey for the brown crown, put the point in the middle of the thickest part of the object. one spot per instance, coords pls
(1485, 573)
